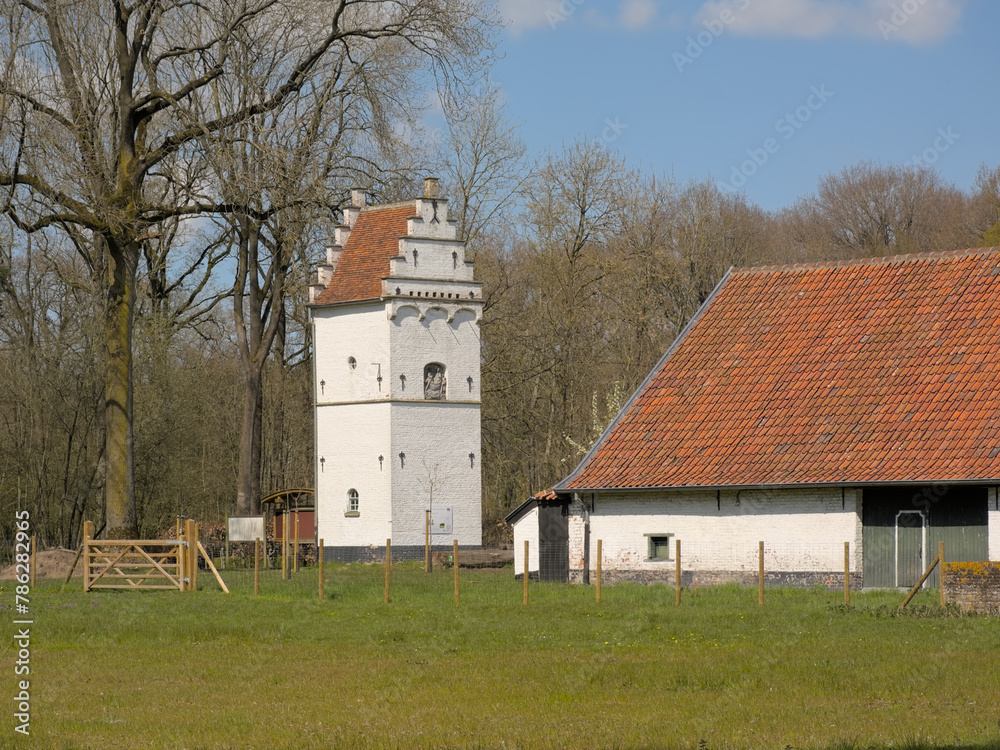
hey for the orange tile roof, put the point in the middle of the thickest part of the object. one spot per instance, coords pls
(365, 260)
(879, 370)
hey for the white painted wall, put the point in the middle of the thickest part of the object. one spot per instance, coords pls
(802, 530)
(415, 343)
(526, 529)
(344, 331)
(993, 524)
(351, 437)
(436, 438)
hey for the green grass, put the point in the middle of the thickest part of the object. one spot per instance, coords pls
(284, 670)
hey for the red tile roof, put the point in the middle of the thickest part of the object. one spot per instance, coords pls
(365, 260)
(880, 370)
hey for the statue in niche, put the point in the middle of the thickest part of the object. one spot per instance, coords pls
(435, 384)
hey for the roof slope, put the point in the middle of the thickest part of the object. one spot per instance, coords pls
(365, 259)
(880, 370)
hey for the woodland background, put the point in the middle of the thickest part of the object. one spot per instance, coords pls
(590, 266)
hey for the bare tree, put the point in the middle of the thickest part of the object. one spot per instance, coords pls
(985, 208)
(871, 209)
(483, 160)
(101, 96)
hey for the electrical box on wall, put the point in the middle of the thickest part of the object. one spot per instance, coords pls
(440, 520)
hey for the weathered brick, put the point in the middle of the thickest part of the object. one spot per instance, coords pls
(973, 585)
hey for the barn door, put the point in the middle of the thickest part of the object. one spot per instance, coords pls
(553, 542)
(911, 544)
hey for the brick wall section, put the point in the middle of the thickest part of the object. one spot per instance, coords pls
(973, 585)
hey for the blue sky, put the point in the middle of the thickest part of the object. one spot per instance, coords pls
(764, 96)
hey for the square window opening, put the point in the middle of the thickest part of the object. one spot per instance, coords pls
(659, 547)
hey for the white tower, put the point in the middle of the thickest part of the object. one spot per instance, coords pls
(396, 317)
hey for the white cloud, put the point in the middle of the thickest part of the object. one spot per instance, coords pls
(913, 21)
(637, 14)
(522, 15)
(633, 15)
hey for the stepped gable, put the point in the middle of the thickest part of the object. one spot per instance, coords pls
(373, 240)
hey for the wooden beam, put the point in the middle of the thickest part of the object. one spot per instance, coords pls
(211, 567)
(920, 583)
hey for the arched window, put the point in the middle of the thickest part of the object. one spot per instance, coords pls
(435, 382)
(353, 502)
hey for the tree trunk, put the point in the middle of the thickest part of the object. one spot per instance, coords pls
(119, 489)
(248, 481)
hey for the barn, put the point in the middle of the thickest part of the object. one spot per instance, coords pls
(804, 406)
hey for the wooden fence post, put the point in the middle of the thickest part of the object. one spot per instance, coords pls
(319, 555)
(225, 559)
(427, 541)
(191, 559)
(599, 556)
(194, 553)
(760, 574)
(937, 559)
(847, 574)
(284, 545)
(940, 572)
(526, 571)
(256, 566)
(31, 563)
(79, 552)
(454, 561)
(388, 565)
(677, 576)
(181, 558)
(88, 536)
(295, 551)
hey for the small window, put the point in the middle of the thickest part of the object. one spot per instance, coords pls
(352, 363)
(659, 546)
(353, 503)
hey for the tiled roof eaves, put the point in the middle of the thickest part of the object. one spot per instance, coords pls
(562, 485)
(346, 302)
(793, 485)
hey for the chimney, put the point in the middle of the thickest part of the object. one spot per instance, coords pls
(430, 187)
(352, 211)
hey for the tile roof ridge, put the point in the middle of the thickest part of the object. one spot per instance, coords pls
(874, 261)
(399, 204)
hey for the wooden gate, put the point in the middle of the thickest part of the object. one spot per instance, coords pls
(145, 563)
(132, 564)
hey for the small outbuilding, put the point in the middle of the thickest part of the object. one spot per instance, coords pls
(805, 406)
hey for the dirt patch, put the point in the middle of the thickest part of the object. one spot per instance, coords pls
(476, 558)
(49, 563)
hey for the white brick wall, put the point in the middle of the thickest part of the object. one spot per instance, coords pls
(803, 530)
(358, 331)
(415, 343)
(526, 529)
(350, 438)
(437, 438)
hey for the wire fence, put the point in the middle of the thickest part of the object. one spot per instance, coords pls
(613, 577)
(611, 574)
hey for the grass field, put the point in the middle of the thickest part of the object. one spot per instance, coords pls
(284, 670)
